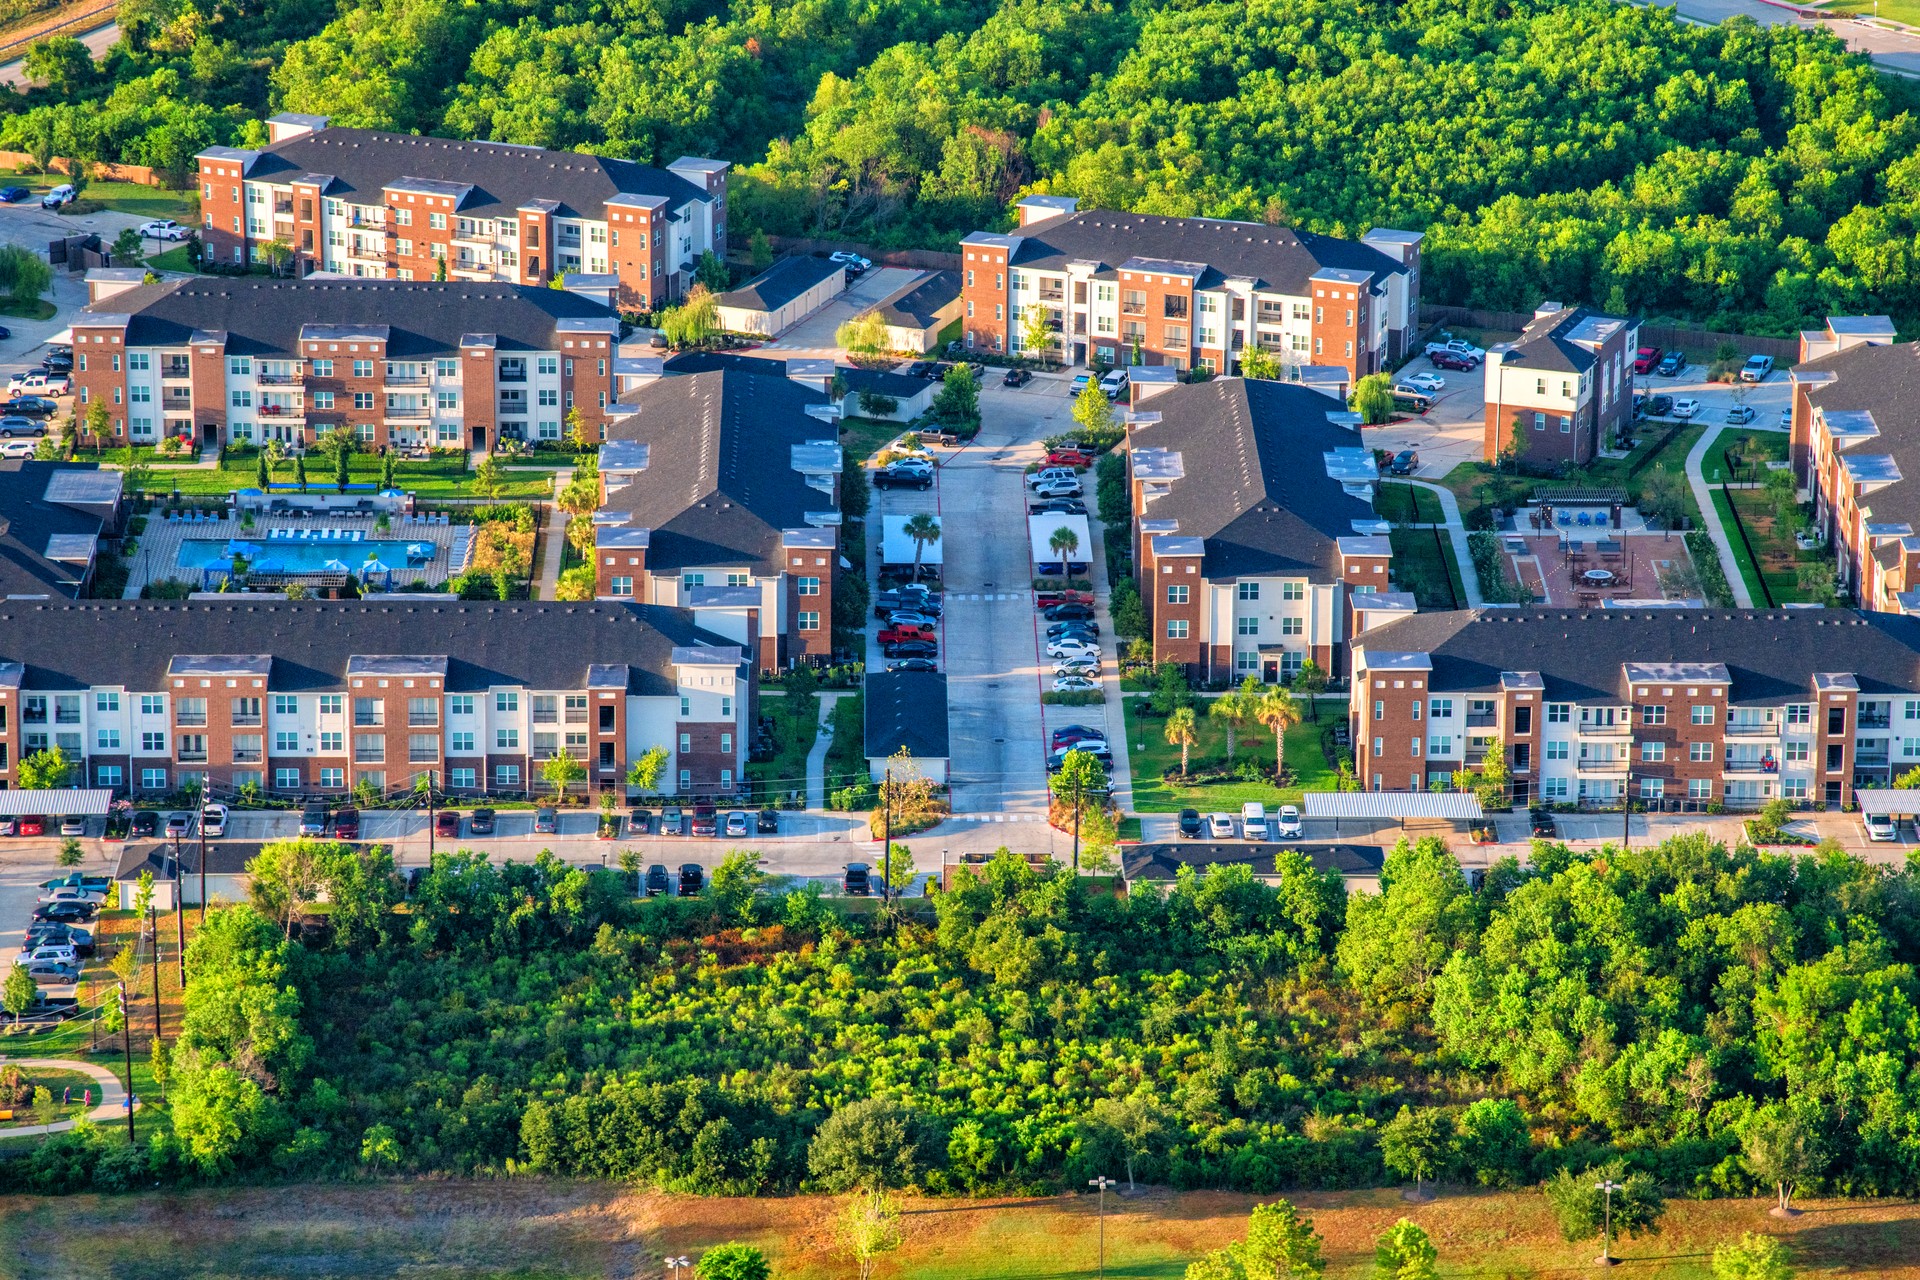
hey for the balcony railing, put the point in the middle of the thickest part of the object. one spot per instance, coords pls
(361, 249)
(176, 369)
(409, 411)
(1620, 729)
(409, 380)
(1481, 719)
(510, 375)
(1763, 765)
(1753, 729)
(1603, 764)
(283, 412)
(283, 206)
(1879, 760)
(243, 755)
(1133, 308)
(281, 379)
(1875, 721)
(1053, 295)
(191, 756)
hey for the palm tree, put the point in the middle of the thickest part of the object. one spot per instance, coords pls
(1233, 707)
(1182, 733)
(1277, 710)
(924, 529)
(1064, 543)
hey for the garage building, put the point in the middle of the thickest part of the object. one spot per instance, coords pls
(781, 296)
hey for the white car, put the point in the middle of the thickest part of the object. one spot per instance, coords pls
(67, 893)
(1685, 407)
(1428, 382)
(1088, 667)
(1114, 383)
(1074, 684)
(853, 262)
(62, 194)
(1879, 827)
(50, 953)
(1073, 649)
(17, 448)
(1068, 488)
(1253, 820)
(1286, 824)
(40, 384)
(213, 819)
(1459, 347)
(1048, 474)
(916, 451)
(163, 229)
(1220, 826)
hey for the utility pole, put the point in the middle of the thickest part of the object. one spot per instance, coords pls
(126, 1041)
(1102, 1182)
(203, 870)
(1606, 1186)
(180, 915)
(429, 817)
(886, 850)
(153, 927)
(1076, 825)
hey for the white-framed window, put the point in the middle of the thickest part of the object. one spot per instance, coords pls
(1654, 713)
(506, 739)
(809, 620)
(1293, 626)
(108, 775)
(333, 777)
(460, 742)
(153, 742)
(507, 701)
(1557, 748)
(284, 741)
(106, 740)
(463, 779)
(1653, 751)
(1176, 628)
(153, 779)
(1246, 660)
(1249, 591)
(506, 776)
(1700, 788)
(1700, 752)
(1703, 713)
(1247, 626)
(1793, 788)
(286, 779)
(1559, 712)
(333, 741)
(333, 704)
(621, 586)
(1177, 595)
(106, 702)
(459, 704)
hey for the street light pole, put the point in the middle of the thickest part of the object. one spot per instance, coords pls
(1076, 824)
(126, 1041)
(180, 915)
(1606, 1186)
(1102, 1182)
(153, 927)
(203, 869)
(886, 849)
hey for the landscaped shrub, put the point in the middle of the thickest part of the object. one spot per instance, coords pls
(1706, 562)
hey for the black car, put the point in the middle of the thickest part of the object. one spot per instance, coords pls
(767, 822)
(913, 649)
(28, 406)
(1071, 613)
(1082, 627)
(692, 879)
(920, 369)
(1017, 377)
(857, 880)
(1190, 824)
(914, 664)
(1541, 823)
(65, 912)
(146, 824)
(1405, 463)
(57, 364)
(902, 478)
(1659, 406)
(13, 195)
(1671, 364)
(480, 822)
(1059, 507)
(5, 332)
(658, 881)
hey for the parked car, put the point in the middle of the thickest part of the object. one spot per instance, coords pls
(692, 879)
(1190, 824)
(1072, 647)
(1286, 826)
(1671, 364)
(17, 449)
(673, 821)
(13, 195)
(737, 824)
(1220, 826)
(912, 649)
(313, 820)
(1068, 488)
(1659, 406)
(1017, 378)
(639, 821)
(767, 822)
(913, 664)
(1879, 826)
(1741, 414)
(1645, 358)
(1086, 667)
(49, 953)
(48, 973)
(80, 880)
(1059, 507)
(1786, 419)
(73, 893)
(907, 600)
(912, 619)
(1756, 369)
(146, 824)
(72, 935)
(1457, 347)
(1067, 735)
(856, 881)
(1432, 383)
(1452, 360)
(1685, 407)
(1540, 823)
(178, 824)
(65, 912)
(7, 822)
(1058, 760)
(1114, 383)
(12, 425)
(1045, 474)
(853, 262)
(213, 819)
(480, 822)
(892, 635)
(73, 824)
(920, 369)
(1407, 400)
(658, 882)
(546, 821)
(30, 824)
(446, 824)
(346, 823)
(1074, 612)
(1253, 820)
(60, 195)
(163, 229)
(1059, 595)
(29, 407)
(40, 382)
(1069, 458)
(1080, 381)
(1074, 684)
(1404, 463)
(706, 819)
(895, 476)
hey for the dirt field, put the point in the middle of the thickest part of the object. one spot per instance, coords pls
(534, 1230)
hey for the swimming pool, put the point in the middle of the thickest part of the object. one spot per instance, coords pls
(306, 557)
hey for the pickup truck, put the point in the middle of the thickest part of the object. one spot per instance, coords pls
(901, 635)
(1457, 346)
(1047, 599)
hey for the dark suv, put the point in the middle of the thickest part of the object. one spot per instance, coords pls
(481, 823)
(692, 879)
(856, 881)
(658, 881)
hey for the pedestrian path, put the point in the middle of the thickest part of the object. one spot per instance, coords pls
(817, 757)
(553, 542)
(1710, 516)
(112, 1106)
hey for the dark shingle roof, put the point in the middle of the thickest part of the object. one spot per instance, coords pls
(224, 858)
(906, 709)
(1546, 342)
(918, 305)
(1276, 258)
(719, 485)
(539, 645)
(1770, 655)
(264, 317)
(883, 381)
(1162, 862)
(779, 284)
(1885, 381)
(28, 522)
(503, 177)
(1256, 485)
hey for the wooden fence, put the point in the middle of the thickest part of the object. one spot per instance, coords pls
(1657, 335)
(100, 172)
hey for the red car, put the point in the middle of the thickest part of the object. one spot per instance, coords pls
(346, 823)
(900, 635)
(446, 824)
(1047, 599)
(1453, 360)
(1645, 358)
(30, 824)
(1069, 458)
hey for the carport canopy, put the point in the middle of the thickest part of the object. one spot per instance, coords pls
(1397, 806)
(1890, 804)
(63, 803)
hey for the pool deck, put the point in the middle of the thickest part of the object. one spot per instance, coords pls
(159, 556)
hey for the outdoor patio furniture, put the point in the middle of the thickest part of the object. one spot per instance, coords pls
(1598, 577)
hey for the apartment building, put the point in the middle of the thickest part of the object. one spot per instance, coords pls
(449, 365)
(1678, 707)
(394, 206)
(1564, 389)
(53, 516)
(1254, 529)
(1855, 436)
(314, 699)
(720, 493)
(1191, 293)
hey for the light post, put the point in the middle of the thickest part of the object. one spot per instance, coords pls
(1606, 1186)
(1103, 1182)
(886, 843)
(179, 915)
(678, 1263)
(126, 1041)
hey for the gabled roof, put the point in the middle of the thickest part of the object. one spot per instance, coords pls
(1280, 259)
(46, 545)
(852, 377)
(719, 483)
(780, 284)
(133, 643)
(1770, 655)
(266, 317)
(1255, 486)
(497, 178)
(1883, 381)
(918, 304)
(906, 709)
(1564, 340)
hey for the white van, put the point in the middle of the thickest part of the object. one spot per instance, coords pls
(62, 194)
(1253, 820)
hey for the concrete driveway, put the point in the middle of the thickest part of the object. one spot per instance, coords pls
(31, 227)
(813, 338)
(1446, 435)
(1767, 399)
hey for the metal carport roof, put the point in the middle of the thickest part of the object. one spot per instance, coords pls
(54, 804)
(1892, 804)
(1394, 806)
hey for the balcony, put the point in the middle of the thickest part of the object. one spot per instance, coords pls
(284, 412)
(1877, 760)
(1133, 308)
(176, 369)
(363, 249)
(1753, 729)
(507, 374)
(1603, 764)
(1052, 295)
(1481, 720)
(192, 755)
(409, 412)
(1882, 720)
(1753, 765)
(283, 208)
(1619, 729)
(281, 379)
(245, 756)
(408, 380)
(359, 219)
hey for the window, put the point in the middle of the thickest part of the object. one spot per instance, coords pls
(285, 741)
(506, 739)
(1556, 749)
(151, 743)
(322, 399)
(726, 708)
(153, 779)
(1293, 626)
(460, 742)
(108, 775)
(461, 779)
(1653, 788)
(1247, 626)
(192, 747)
(1703, 713)
(334, 777)
(1700, 788)
(1654, 713)
(247, 748)
(286, 779)
(152, 704)
(621, 586)
(809, 586)
(1249, 591)
(686, 742)
(106, 740)
(1441, 746)
(1796, 752)
(437, 221)
(1379, 746)
(686, 706)
(1177, 595)
(1799, 713)
(369, 711)
(688, 581)
(1793, 788)
(369, 748)
(363, 368)
(190, 711)
(285, 704)
(323, 368)
(1176, 629)
(363, 399)
(506, 776)
(809, 620)
(423, 711)
(1700, 752)
(506, 702)
(332, 742)
(460, 704)
(106, 702)
(1653, 751)
(1289, 590)
(686, 779)
(1441, 708)
(422, 748)
(246, 711)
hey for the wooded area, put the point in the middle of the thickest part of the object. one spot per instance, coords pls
(1749, 179)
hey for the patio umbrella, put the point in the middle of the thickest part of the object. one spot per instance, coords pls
(336, 566)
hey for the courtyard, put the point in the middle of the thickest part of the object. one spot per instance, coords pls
(405, 551)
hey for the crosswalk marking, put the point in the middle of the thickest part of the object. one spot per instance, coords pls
(987, 595)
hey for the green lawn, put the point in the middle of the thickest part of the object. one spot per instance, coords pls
(1149, 763)
(795, 729)
(27, 308)
(1779, 559)
(1408, 504)
(122, 197)
(862, 437)
(1753, 448)
(443, 476)
(1425, 569)
(174, 259)
(1475, 482)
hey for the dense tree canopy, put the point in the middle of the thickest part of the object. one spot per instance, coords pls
(1585, 150)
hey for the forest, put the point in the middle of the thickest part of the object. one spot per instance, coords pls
(1584, 150)
(1705, 1015)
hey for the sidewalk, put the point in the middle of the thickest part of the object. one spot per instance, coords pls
(112, 1097)
(553, 542)
(817, 757)
(1710, 518)
(1457, 533)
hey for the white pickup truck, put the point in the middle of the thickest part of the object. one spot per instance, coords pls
(1457, 347)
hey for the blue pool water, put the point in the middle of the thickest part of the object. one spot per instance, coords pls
(303, 557)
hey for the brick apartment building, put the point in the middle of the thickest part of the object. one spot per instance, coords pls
(1855, 438)
(1566, 386)
(1682, 706)
(1190, 292)
(452, 365)
(720, 493)
(311, 699)
(396, 206)
(1255, 537)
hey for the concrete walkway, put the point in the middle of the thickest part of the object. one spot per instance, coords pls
(1457, 532)
(1710, 518)
(112, 1097)
(817, 757)
(553, 542)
